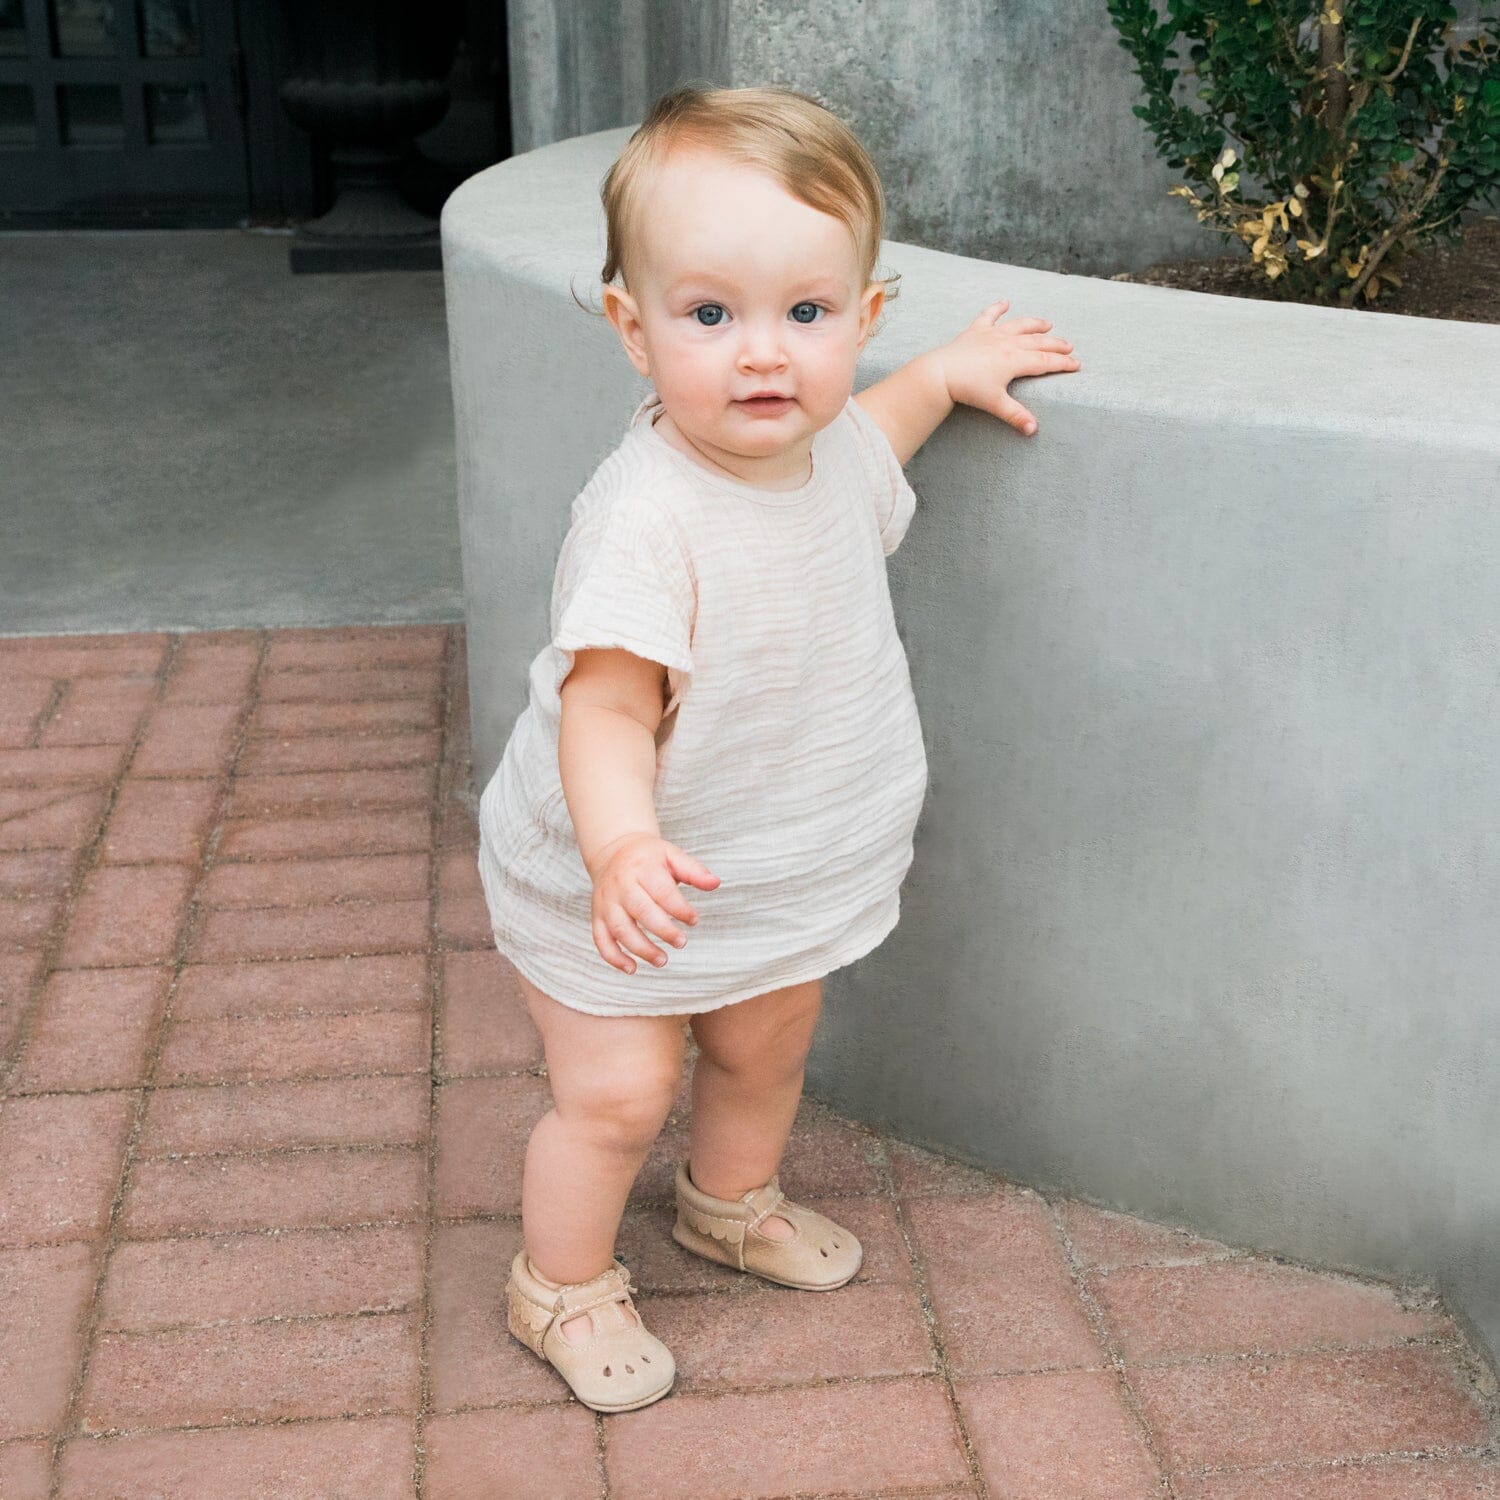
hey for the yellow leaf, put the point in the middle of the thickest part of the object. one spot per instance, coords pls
(1258, 248)
(1294, 207)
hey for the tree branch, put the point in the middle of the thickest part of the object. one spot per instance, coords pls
(1332, 53)
(1411, 36)
(1399, 226)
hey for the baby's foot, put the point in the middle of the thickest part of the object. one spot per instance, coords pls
(774, 1228)
(580, 1329)
(612, 1315)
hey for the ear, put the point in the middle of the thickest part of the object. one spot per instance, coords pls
(869, 309)
(622, 310)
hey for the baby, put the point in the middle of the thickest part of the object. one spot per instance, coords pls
(724, 703)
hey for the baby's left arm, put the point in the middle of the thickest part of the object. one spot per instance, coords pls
(975, 369)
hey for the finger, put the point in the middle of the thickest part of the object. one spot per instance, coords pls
(991, 314)
(656, 921)
(1011, 411)
(1027, 325)
(689, 870)
(663, 889)
(1042, 362)
(630, 937)
(609, 950)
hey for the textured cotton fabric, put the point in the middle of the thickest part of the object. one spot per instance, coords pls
(790, 759)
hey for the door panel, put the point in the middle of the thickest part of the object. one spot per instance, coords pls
(121, 112)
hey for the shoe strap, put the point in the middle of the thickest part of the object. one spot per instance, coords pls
(581, 1296)
(763, 1202)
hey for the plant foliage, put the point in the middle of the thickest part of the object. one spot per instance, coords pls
(1334, 139)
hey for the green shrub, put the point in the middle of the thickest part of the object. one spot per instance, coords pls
(1360, 148)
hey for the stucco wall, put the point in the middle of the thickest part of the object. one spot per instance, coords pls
(1204, 920)
(998, 130)
(1001, 131)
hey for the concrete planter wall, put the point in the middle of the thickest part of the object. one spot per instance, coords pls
(999, 130)
(1204, 921)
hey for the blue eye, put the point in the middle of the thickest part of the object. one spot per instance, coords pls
(710, 315)
(806, 312)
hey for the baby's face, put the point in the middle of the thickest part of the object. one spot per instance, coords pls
(741, 293)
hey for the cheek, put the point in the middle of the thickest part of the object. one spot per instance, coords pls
(830, 364)
(688, 371)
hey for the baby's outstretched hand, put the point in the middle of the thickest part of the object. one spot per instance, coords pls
(983, 360)
(635, 882)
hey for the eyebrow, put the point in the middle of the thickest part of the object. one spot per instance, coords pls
(708, 285)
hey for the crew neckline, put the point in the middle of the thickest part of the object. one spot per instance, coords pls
(645, 416)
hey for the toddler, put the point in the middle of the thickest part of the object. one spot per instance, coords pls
(724, 703)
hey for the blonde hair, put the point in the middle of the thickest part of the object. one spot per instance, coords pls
(805, 147)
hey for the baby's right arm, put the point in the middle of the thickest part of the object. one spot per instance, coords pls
(612, 705)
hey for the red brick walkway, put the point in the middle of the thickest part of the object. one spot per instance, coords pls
(266, 1096)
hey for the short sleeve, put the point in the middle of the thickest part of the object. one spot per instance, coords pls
(624, 579)
(895, 500)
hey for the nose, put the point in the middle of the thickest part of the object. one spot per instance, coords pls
(760, 346)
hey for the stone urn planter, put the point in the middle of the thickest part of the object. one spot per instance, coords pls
(366, 79)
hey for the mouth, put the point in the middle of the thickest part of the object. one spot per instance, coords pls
(767, 403)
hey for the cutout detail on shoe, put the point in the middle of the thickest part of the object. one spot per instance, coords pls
(576, 1337)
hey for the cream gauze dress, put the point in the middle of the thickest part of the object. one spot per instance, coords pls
(790, 758)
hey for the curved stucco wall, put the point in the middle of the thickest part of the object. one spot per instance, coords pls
(1204, 920)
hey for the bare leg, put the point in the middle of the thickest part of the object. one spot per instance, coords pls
(614, 1080)
(746, 1085)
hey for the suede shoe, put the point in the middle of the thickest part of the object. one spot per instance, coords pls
(819, 1257)
(621, 1366)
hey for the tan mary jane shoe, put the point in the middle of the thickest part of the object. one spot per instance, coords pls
(819, 1257)
(621, 1366)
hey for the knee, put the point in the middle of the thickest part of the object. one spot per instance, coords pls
(624, 1113)
(771, 1056)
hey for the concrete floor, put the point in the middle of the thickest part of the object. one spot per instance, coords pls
(192, 437)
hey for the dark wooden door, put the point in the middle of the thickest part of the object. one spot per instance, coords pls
(119, 112)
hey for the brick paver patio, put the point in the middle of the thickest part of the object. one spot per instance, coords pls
(266, 1095)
